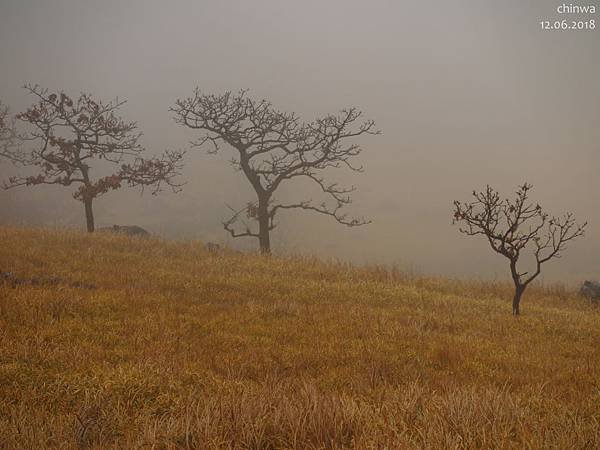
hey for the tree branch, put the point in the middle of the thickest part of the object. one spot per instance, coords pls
(512, 226)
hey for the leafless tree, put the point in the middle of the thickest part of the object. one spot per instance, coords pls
(511, 227)
(272, 148)
(9, 138)
(67, 136)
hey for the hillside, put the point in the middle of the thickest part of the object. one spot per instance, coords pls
(111, 342)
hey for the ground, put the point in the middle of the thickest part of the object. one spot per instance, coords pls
(115, 342)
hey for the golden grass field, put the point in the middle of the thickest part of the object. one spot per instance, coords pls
(179, 348)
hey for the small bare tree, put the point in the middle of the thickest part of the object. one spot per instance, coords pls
(272, 148)
(512, 226)
(9, 138)
(68, 136)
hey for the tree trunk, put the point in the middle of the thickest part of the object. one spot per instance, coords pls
(89, 214)
(264, 238)
(517, 299)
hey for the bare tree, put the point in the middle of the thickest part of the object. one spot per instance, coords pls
(69, 136)
(9, 138)
(513, 226)
(272, 148)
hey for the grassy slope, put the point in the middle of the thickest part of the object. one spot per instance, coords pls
(176, 348)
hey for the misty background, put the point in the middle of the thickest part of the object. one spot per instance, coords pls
(465, 92)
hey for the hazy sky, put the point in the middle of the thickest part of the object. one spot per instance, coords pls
(465, 92)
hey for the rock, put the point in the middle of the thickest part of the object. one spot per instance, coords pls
(211, 247)
(129, 230)
(590, 290)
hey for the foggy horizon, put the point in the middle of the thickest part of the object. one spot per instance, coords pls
(465, 94)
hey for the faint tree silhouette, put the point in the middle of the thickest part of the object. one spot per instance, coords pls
(10, 139)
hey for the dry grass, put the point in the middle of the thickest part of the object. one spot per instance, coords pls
(177, 348)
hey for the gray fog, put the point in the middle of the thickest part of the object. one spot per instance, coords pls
(466, 93)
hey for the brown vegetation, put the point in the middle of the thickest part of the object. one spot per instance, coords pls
(178, 348)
